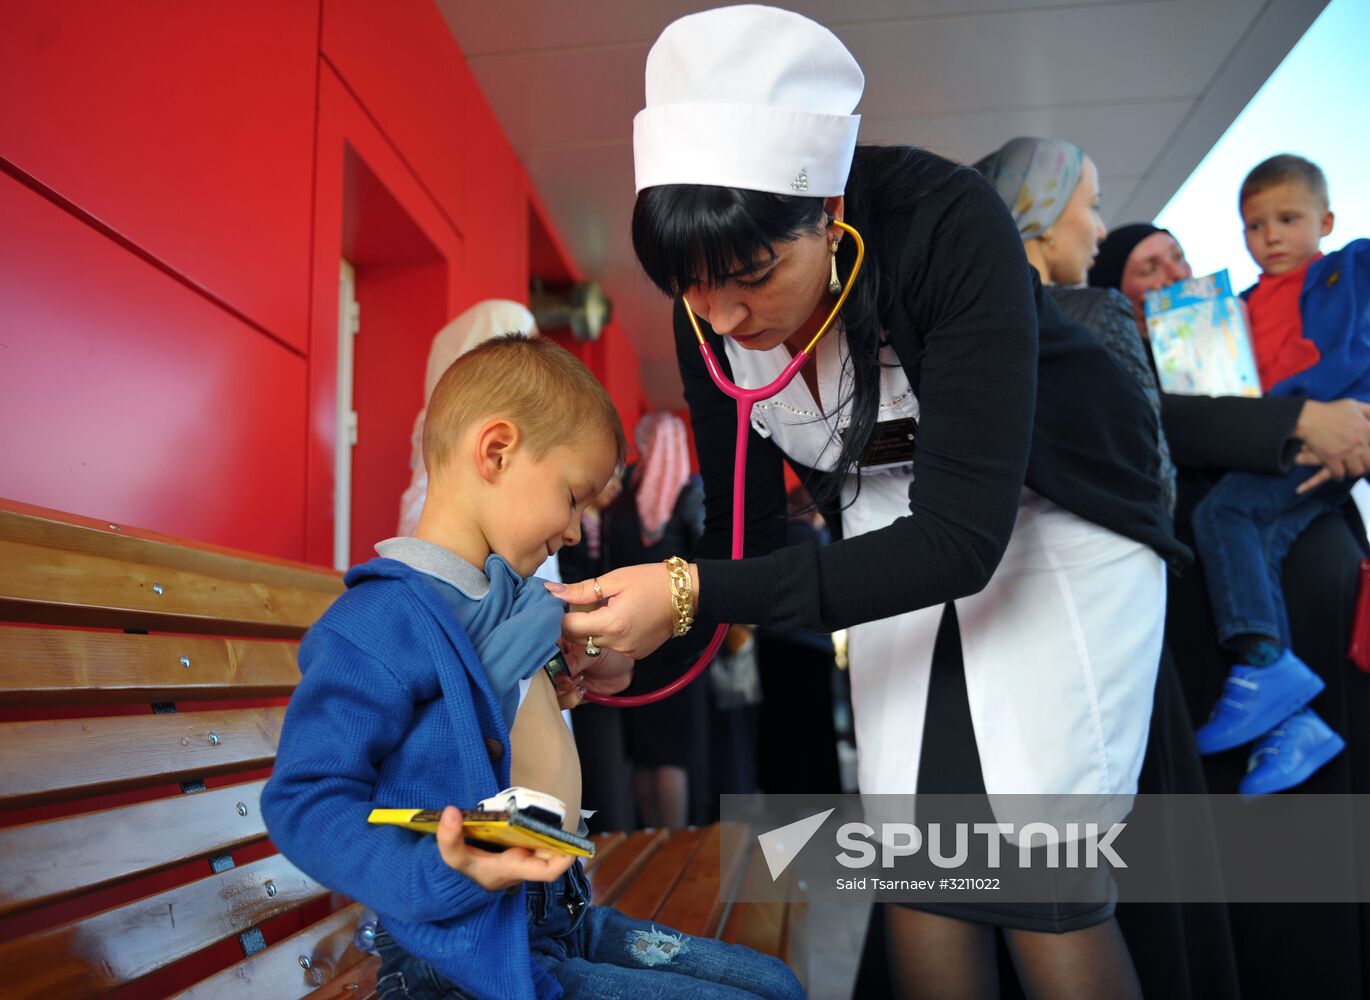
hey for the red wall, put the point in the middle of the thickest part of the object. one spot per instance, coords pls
(174, 199)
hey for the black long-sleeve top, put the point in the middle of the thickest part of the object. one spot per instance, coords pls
(963, 318)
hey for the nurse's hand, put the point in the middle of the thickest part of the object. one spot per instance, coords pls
(636, 614)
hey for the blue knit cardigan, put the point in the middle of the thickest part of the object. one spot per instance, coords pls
(394, 709)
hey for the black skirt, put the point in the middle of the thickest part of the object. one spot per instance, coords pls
(950, 765)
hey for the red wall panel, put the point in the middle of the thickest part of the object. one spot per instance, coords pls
(185, 127)
(127, 396)
(401, 62)
(176, 192)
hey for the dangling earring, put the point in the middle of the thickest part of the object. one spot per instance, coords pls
(834, 283)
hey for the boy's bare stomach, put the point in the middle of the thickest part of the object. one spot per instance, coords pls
(543, 753)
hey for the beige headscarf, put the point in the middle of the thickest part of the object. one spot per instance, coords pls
(475, 326)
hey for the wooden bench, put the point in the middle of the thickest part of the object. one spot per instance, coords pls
(142, 687)
(134, 854)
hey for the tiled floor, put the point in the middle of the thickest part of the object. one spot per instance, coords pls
(837, 931)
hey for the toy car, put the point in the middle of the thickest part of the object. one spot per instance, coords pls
(536, 805)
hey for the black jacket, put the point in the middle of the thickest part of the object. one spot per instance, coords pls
(963, 320)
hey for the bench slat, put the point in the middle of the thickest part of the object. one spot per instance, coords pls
(277, 973)
(604, 844)
(58, 759)
(59, 587)
(58, 858)
(760, 926)
(64, 666)
(89, 957)
(613, 875)
(696, 903)
(21, 522)
(647, 892)
(356, 983)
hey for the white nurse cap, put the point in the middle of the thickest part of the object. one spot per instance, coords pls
(748, 97)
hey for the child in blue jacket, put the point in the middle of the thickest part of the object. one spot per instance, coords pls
(423, 685)
(1310, 327)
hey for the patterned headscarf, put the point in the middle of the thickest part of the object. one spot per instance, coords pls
(663, 468)
(1035, 178)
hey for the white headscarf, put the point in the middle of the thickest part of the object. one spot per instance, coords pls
(475, 326)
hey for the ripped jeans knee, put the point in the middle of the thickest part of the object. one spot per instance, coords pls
(656, 947)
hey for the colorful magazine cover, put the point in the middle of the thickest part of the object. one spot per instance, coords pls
(1200, 339)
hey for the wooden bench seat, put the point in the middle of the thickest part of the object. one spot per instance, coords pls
(136, 670)
(142, 687)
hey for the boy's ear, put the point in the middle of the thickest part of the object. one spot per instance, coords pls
(1327, 219)
(496, 441)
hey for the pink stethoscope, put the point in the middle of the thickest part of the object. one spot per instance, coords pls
(745, 399)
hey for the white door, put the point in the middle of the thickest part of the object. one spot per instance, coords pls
(349, 322)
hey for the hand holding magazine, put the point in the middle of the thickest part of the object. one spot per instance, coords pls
(1200, 339)
(516, 817)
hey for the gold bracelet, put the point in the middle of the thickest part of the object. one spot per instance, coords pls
(682, 593)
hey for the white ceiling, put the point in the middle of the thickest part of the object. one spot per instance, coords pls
(1145, 86)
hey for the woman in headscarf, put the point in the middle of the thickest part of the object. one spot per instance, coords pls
(1052, 189)
(1012, 632)
(660, 513)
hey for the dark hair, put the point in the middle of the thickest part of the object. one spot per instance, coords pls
(685, 233)
(1283, 169)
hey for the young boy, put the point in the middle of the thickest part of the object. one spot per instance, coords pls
(420, 679)
(1310, 329)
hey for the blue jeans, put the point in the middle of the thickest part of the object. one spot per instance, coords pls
(596, 952)
(1242, 529)
(403, 976)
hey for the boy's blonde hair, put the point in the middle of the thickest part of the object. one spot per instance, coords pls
(543, 389)
(1285, 168)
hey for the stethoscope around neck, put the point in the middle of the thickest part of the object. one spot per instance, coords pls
(745, 399)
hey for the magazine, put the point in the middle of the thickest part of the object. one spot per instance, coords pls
(492, 828)
(1200, 339)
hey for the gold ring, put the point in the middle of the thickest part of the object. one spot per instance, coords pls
(599, 594)
(590, 648)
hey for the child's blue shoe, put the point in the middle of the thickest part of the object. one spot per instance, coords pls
(1255, 700)
(1289, 754)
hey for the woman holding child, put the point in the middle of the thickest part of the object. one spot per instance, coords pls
(1004, 639)
(1211, 436)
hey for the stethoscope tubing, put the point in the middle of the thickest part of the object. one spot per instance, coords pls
(745, 399)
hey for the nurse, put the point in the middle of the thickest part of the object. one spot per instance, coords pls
(1004, 639)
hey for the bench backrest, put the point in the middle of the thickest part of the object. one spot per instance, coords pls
(142, 686)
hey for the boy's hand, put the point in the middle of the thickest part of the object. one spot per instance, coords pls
(608, 673)
(496, 872)
(568, 691)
